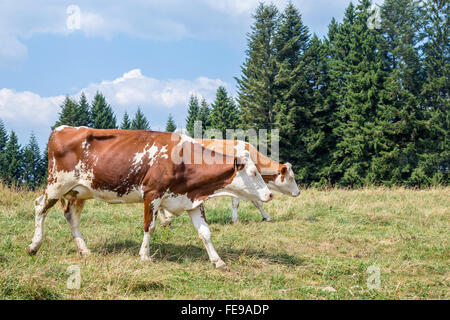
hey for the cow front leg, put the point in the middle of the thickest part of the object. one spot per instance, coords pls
(234, 210)
(203, 232)
(264, 214)
(151, 206)
(73, 216)
(42, 205)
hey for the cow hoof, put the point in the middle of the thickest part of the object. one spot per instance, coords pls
(146, 258)
(235, 221)
(221, 265)
(166, 224)
(85, 253)
(32, 250)
(266, 219)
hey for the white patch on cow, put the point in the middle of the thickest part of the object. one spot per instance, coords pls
(185, 138)
(176, 203)
(152, 153)
(65, 181)
(163, 152)
(240, 147)
(60, 128)
(65, 126)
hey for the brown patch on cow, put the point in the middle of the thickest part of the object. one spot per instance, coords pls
(268, 168)
(283, 171)
(202, 212)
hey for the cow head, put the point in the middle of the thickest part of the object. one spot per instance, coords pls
(247, 182)
(285, 181)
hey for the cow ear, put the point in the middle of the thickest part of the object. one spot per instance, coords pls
(238, 164)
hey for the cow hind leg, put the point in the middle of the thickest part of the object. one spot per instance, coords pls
(234, 210)
(42, 205)
(165, 217)
(264, 214)
(151, 207)
(72, 213)
(203, 231)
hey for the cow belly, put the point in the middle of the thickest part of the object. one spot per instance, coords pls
(135, 195)
(177, 204)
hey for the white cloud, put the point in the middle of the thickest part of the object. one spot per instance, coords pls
(132, 89)
(28, 107)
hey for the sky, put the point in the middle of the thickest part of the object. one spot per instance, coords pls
(148, 54)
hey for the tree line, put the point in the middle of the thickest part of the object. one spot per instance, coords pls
(367, 104)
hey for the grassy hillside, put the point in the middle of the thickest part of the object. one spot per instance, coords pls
(318, 240)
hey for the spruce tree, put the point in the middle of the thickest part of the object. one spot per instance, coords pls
(204, 115)
(256, 92)
(102, 115)
(193, 109)
(83, 112)
(170, 125)
(13, 155)
(3, 143)
(361, 75)
(140, 122)
(399, 114)
(69, 114)
(435, 147)
(43, 168)
(32, 173)
(126, 123)
(292, 90)
(224, 114)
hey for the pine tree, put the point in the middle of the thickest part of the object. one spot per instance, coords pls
(399, 114)
(204, 114)
(69, 114)
(3, 143)
(140, 122)
(361, 75)
(126, 124)
(170, 125)
(224, 114)
(83, 112)
(256, 92)
(13, 155)
(102, 115)
(435, 147)
(31, 174)
(317, 136)
(193, 110)
(292, 88)
(43, 167)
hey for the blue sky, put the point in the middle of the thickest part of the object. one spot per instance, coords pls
(151, 54)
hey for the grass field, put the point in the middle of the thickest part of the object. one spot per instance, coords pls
(320, 239)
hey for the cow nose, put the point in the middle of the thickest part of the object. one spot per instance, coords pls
(296, 194)
(270, 196)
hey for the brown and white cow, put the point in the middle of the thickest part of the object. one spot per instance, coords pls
(278, 177)
(156, 168)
